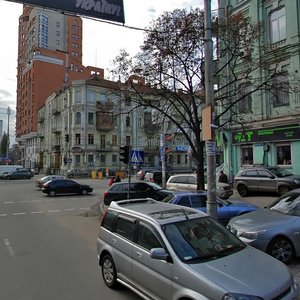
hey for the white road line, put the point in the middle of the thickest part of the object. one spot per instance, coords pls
(53, 211)
(19, 214)
(37, 212)
(9, 202)
(24, 201)
(9, 248)
(3, 215)
(84, 208)
(69, 209)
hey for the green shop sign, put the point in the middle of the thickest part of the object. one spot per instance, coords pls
(280, 133)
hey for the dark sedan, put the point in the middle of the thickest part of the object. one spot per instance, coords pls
(65, 186)
(18, 174)
(225, 210)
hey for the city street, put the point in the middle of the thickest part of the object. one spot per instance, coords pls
(48, 245)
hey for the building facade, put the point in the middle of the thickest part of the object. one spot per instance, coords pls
(84, 126)
(270, 131)
(49, 58)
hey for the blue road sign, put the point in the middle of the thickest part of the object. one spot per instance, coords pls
(136, 157)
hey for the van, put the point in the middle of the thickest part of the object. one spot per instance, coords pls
(10, 168)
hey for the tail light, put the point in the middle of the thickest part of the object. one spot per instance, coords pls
(105, 194)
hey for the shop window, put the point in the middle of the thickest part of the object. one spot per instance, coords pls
(283, 152)
(247, 155)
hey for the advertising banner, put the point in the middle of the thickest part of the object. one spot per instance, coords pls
(111, 10)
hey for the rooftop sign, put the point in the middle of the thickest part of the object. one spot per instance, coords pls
(111, 10)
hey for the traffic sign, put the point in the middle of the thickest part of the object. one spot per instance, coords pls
(136, 157)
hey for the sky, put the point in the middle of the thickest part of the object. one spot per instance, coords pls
(102, 42)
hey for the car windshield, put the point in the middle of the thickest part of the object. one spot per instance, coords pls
(288, 205)
(280, 172)
(201, 239)
(154, 186)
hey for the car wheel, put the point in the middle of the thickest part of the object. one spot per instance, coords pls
(52, 193)
(109, 272)
(8, 177)
(84, 192)
(242, 189)
(282, 249)
(283, 190)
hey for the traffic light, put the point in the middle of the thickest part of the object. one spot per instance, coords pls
(124, 154)
(67, 138)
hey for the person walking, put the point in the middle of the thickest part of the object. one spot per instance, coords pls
(111, 181)
(223, 177)
(118, 178)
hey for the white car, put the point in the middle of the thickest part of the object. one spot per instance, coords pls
(188, 182)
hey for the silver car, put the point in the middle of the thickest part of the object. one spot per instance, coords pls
(274, 229)
(163, 251)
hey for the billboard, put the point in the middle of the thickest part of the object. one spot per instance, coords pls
(111, 10)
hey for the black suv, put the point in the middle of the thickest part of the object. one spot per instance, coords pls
(140, 189)
(265, 179)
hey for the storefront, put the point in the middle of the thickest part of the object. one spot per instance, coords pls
(272, 146)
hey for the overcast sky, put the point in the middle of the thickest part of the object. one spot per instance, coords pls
(101, 42)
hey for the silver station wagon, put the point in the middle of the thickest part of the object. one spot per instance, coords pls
(163, 251)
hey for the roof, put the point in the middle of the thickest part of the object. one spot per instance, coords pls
(159, 212)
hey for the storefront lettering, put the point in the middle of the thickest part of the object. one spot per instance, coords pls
(99, 6)
(267, 134)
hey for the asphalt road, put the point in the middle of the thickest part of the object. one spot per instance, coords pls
(48, 246)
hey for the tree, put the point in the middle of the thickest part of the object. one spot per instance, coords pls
(172, 61)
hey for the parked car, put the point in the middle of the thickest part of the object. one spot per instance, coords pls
(18, 174)
(188, 182)
(198, 200)
(78, 173)
(265, 179)
(65, 186)
(273, 229)
(139, 189)
(39, 182)
(140, 175)
(155, 176)
(163, 251)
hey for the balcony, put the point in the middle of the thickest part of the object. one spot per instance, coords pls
(55, 129)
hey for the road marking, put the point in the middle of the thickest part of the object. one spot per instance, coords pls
(53, 211)
(9, 202)
(3, 215)
(84, 208)
(69, 209)
(9, 248)
(24, 201)
(19, 214)
(37, 212)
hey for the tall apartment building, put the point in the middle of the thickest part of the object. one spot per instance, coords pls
(270, 133)
(49, 58)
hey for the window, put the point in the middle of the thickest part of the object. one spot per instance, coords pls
(184, 201)
(90, 160)
(91, 118)
(128, 142)
(127, 101)
(78, 118)
(102, 141)
(114, 159)
(277, 25)
(77, 160)
(178, 159)
(91, 139)
(78, 95)
(77, 139)
(280, 90)
(244, 105)
(114, 140)
(283, 152)
(127, 121)
(147, 239)
(247, 155)
(103, 159)
(125, 228)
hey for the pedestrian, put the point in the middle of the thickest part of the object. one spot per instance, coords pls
(223, 177)
(111, 181)
(118, 178)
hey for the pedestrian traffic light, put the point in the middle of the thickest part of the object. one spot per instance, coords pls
(124, 154)
(67, 138)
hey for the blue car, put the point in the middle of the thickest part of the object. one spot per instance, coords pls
(225, 211)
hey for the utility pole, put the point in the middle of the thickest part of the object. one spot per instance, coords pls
(208, 125)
